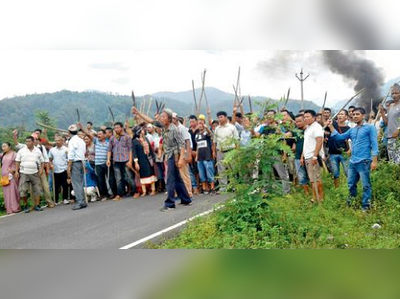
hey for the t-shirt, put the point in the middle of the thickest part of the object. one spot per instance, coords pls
(311, 133)
(393, 120)
(224, 137)
(337, 147)
(193, 136)
(30, 161)
(245, 138)
(203, 141)
(59, 156)
(298, 136)
(101, 150)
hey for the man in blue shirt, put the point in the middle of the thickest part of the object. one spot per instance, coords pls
(364, 157)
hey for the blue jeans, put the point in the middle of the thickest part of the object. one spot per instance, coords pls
(206, 171)
(192, 177)
(175, 182)
(336, 160)
(356, 171)
(301, 173)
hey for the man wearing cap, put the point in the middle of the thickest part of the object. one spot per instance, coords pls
(174, 149)
(76, 158)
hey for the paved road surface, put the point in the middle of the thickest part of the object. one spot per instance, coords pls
(103, 225)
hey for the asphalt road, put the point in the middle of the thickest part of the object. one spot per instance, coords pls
(103, 225)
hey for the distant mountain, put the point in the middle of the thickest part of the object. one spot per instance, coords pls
(93, 106)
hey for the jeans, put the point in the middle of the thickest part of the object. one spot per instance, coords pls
(356, 171)
(131, 179)
(193, 177)
(301, 173)
(336, 160)
(206, 171)
(175, 183)
(120, 176)
(101, 171)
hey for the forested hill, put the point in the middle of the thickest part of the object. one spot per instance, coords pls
(93, 106)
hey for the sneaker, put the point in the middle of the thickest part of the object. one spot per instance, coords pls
(66, 202)
(79, 207)
(38, 209)
(93, 199)
(27, 209)
(166, 209)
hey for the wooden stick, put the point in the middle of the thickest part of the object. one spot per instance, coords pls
(251, 105)
(133, 99)
(112, 114)
(51, 128)
(148, 109)
(194, 97)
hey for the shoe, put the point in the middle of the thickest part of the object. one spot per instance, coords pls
(66, 202)
(186, 204)
(117, 198)
(39, 209)
(103, 199)
(111, 197)
(93, 199)
(166, 209)
(79, 207)
(206, 192)
(51, 206)
(27, 209)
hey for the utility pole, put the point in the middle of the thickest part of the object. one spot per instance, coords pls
(302, 79)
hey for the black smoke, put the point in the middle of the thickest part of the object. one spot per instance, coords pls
(354, 67)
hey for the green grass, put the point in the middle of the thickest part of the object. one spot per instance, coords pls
(2, 208)
(293, 222)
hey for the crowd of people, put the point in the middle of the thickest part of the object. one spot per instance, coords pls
(162, 155)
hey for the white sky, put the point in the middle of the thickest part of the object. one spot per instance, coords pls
(50, 45)
(24, 72)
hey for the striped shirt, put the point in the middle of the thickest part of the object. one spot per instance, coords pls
(30, 161)
(101, 150)
(120, 148)
(172, 141)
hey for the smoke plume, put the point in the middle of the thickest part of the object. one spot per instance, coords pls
(352, 66)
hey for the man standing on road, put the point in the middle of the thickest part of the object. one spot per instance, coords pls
(29, 167)
(364, 142)
(175, 151)
(119, 149)
(59, 163)
(76, 171)
(225, 137)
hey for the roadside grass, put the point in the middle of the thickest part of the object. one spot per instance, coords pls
(293, 222)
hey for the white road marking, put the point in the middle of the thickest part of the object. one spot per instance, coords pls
(160, 233)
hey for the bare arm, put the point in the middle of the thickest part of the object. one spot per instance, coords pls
(146, 118)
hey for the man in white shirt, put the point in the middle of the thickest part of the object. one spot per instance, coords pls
(29, 167)
(59, 163)
(44, 175)
(76, 172)
(312, 150)
(225, 137)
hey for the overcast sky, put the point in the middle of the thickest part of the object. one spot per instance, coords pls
(25, 72)
(50, 45)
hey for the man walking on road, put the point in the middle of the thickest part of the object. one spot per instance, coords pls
(174, 149)
(76, 172)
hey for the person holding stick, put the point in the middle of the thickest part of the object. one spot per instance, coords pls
(76, 171)
(392, 120)
(364, 157)
(312, 152)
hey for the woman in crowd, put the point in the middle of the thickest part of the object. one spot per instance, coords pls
(8, 181)
(143, 160)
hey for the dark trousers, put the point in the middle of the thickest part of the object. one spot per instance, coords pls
(60, 181)
(101, 171)
(121, 178)
(175, 183)
(111, 180)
